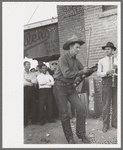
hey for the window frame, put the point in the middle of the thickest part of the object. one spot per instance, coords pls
(108, 12)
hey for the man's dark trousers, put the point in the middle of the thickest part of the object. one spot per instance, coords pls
(114, 103)
(63, 94)
(29, 99)
(109, 95)
(106, 97)
(45, 98)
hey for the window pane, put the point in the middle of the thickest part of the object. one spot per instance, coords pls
(109, 7)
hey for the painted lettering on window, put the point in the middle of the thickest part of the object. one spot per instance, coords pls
(35, 37)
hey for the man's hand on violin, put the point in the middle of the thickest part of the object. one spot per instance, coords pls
(77, 79)
(84, 71)
(111, 72)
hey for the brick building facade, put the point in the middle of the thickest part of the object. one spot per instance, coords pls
(94, 24)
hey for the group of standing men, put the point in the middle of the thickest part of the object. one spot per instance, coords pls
(38, 95)
(70, 69)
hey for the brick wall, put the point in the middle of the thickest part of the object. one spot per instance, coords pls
(92, 25)
(70, 22)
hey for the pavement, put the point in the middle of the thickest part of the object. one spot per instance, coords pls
(52, 133)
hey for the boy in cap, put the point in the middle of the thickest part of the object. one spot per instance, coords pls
(107, 70)
(70, 68)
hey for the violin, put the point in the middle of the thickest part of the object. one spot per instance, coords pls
(81, 78)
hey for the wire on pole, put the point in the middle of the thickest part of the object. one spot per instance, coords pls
(33, 14)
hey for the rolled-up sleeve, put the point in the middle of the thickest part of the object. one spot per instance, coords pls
(64, 66)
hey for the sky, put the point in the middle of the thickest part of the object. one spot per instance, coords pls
(41, 10)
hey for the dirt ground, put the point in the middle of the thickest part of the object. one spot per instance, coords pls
(52, 133)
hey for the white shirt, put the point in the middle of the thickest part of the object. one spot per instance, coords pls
(38, 72)
(29, 78)
(45, 80)
(104, 65)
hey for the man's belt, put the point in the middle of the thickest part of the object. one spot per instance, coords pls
(64, 83)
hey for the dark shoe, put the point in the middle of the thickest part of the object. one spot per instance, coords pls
(85, 140)
(114, 126)
(51, 120)
(71, 141)
(105, 129)
(42, 123)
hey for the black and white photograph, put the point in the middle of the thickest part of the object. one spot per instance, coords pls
(64, 89)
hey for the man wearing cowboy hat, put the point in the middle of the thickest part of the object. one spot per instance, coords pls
(70, 68)
(107, 70)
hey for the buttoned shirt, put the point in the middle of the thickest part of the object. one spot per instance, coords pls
(68, 67)
(104, 65)
(45, 80)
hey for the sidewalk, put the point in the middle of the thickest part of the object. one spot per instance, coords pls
(52, 133)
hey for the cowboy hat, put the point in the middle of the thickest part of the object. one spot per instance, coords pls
(109, 44)
(73, 39)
